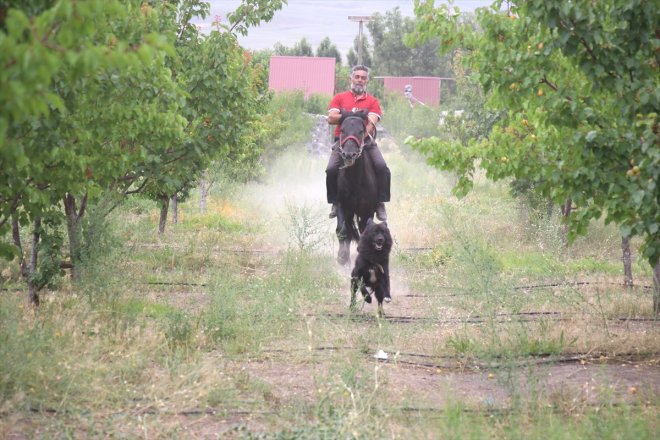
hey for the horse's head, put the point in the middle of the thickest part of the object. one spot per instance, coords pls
(352, 136)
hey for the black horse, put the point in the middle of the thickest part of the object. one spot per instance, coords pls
(357, 191)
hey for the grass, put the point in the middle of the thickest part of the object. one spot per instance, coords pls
(235, 321)
(545, 423)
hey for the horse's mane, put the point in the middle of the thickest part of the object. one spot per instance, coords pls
(364, 114)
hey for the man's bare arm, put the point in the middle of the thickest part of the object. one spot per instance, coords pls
(371, 127)
(333, 117)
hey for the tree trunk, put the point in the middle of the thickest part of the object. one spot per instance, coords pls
(27, 271)
(164, 205)
(33, 288)
(175, 209)
(566, 209)
(656, 288)
(16, 234)
(627, 264)
(204, 191)
(74, 231)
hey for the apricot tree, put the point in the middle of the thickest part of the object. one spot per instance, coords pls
(579, 83)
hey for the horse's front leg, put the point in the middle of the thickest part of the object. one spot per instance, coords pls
(344, 253)
(355, 285)
(344, 256)
(362, 221)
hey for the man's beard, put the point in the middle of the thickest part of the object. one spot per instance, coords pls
(358, 89)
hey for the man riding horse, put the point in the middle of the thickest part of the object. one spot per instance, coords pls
(357, 99)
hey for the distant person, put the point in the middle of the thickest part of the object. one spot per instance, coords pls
(407, 92)
(357, 99)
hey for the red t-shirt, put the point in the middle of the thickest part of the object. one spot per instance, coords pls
(348, 101)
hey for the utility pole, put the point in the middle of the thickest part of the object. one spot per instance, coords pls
(360, 19)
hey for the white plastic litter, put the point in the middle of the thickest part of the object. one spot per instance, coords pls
(381, 355)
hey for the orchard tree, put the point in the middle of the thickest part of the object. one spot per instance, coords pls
(98, 101)
(225, 100)
(251, 13)
(396, 56)
(129, 118)
(352, 55)
(260, 62)
(327, 49)
(86, 94)
(579, 82)
(476, 120)
(300, 49)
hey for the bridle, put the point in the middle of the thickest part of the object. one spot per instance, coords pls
(359, 142)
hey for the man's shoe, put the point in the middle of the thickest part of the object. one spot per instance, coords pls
(380, 212)
(333, 211)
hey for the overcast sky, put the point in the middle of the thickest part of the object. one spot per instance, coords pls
(317, 19)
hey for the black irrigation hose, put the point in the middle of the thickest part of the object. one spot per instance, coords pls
(538, 286)
(573, 357)
(217, 249)
(476, 366)
(536, 359)
(188, 412)
(488, 409)
(169, 283)
(491, 410)
(581, 283)
(589, 357)
(500, 318)
(640, 319)
(166, 283)
(535, 286)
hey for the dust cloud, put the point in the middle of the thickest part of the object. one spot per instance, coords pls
(295, 188)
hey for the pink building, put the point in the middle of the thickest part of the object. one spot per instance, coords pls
(425, 89)
(309, 74)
